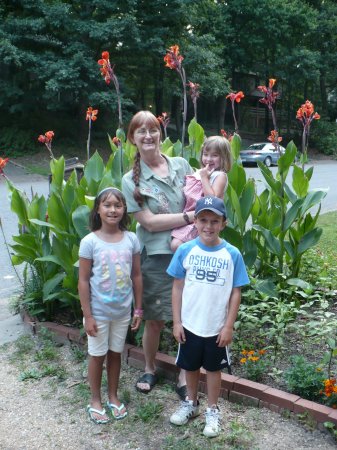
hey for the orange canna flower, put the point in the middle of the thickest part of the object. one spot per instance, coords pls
(42, 138)
(274, 137)
(251, 352)
(272, 82)
(3, 162)
(306, 113)
(91, 114)
(236, 97)
(172, 58)
(116, 141)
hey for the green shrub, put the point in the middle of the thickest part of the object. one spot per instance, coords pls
(16, 141)
(324, 137)
(304, 378)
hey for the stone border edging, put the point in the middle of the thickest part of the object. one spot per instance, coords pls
(233, 388)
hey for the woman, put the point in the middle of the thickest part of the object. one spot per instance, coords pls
(154, 194)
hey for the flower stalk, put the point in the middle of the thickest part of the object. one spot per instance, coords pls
(164, 120)
(235, 97)
(306, 114)
(91, 116)
(194, 94)
(47, 139)
(173, 61)
(107, 71)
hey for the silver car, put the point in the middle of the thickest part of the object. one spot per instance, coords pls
(264, 152)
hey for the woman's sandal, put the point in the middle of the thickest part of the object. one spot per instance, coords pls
(114, 408)
(91, 411)
(147, 378)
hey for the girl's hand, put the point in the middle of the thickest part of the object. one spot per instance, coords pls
(136, 321)
(205, 172)
(225, 337)
(178, 333)
(90, 326)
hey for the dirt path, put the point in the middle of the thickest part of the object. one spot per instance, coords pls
(47, 413)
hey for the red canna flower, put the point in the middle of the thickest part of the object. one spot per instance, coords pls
(3, 162)
(194, 90)
(164, 119)
(49, 135)
(91, 114)
(106, 69)
(235, 97)
(270, 95)
(173, 59)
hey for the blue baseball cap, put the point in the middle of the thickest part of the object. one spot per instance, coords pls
(213, 204)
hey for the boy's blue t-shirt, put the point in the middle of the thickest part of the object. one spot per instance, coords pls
(210, 275)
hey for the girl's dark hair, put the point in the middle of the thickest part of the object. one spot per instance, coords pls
(95, 222)
(139, 119)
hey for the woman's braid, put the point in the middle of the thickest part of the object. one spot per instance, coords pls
(135, 176)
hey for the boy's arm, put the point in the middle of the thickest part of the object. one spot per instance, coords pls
(137, 283)
(177, 292)
(84, 293)
(225, 336)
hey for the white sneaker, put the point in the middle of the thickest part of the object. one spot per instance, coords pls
(186, 411)
(212, 427)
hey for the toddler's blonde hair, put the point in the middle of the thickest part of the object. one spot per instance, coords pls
(223, 147)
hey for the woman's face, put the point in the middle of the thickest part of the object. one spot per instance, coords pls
(147, 138)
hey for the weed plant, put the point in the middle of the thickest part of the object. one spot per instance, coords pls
(304, 379)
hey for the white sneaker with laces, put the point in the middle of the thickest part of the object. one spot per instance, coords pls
(185, 412)
(212, 427)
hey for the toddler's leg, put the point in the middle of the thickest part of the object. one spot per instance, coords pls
(175, 243)
(192, 381)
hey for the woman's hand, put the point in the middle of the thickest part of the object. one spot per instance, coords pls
(90, 326)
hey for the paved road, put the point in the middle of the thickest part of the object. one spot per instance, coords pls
(325, 175)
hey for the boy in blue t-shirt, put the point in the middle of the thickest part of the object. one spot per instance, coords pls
(208, 274)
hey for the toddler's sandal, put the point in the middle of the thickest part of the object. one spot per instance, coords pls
(116, 410)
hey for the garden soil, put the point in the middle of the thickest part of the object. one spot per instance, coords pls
(49, 413)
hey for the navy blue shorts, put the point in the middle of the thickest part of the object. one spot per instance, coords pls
(203, 352)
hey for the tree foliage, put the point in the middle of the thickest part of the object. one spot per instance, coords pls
(49, 51)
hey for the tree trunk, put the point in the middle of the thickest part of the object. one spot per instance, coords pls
(158, 87)
(221, 108)
(324, 97)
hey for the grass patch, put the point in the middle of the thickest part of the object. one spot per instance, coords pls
(329, 236)
(39, 170)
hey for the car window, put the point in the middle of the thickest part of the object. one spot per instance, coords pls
(256, 147)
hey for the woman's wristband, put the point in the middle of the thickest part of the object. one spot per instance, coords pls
(186, 218)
